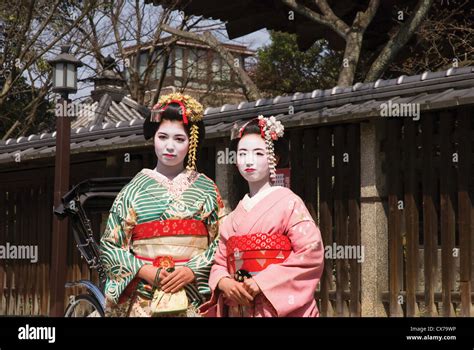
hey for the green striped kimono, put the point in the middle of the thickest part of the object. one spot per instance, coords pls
(151, 197)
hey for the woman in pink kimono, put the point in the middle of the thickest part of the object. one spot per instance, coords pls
(270, 254)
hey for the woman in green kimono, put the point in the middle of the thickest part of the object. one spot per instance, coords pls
(160, 238)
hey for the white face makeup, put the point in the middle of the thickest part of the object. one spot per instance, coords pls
(252, 159)
(171, 143)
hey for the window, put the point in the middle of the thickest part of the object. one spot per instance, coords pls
(216, 68)
(178, 62)
(197, 85)
(159, 67)
(225, 72)
(192, 64)
(126, 72)
(142, 64)
(202, 64)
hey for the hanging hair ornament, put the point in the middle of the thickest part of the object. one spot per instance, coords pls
(193, 145)
(192, 111)
(270, 130)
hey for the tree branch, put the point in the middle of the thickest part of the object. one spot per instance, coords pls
(395, 43)
(10, 82)
(328, 18)
(208, 39)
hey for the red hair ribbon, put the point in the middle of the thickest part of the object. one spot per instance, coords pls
(185, 117)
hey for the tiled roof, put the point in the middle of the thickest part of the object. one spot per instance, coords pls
(123, 122)
(125, 110)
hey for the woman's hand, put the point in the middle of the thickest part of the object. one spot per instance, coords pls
(235, 291)
(252, 287)
(177, 280)
(148, 273)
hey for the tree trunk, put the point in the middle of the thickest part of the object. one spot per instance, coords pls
(351, 58)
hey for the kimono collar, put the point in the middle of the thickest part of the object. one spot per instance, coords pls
(249, 202)
(179, 183)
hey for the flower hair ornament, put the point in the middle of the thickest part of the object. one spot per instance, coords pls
(191, 111)
(270, 130)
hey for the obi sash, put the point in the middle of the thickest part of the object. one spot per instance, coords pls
(150, 233)
(167, 228)
(254, 252)
(162, 228)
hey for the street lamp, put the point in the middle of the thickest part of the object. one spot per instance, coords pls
(65, 72)
(64, 82)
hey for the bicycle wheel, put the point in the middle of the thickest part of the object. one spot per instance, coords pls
(84, 305)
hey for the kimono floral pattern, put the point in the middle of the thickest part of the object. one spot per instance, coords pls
(150, 197)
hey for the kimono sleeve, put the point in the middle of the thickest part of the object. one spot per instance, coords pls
(219, 269)
(290, 286)
(201, 264)
(120, 264)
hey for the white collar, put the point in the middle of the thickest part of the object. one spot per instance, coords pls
(181, 180)
(249, 202)
(164, 177)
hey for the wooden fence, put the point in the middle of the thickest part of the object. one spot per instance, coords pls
(428, 173)
(325, 173)
(25, 219)
(430, 196)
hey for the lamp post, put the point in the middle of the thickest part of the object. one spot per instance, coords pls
(64, 82)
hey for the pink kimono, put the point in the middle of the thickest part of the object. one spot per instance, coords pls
(279, 244)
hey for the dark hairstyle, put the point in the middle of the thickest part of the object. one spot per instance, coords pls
(173, 112)
(280, 146)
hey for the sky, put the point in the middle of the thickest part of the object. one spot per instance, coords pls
(255, 39)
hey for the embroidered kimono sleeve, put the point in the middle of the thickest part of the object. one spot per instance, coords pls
(290, 286)
(120, 264)
(202, 263)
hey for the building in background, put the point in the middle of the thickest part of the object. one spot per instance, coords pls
(191, 67)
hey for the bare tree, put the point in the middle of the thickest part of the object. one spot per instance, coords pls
(135, 28)
(250, 89)
(131, 31)
(30, 31)
(135, 33)
(114, 29)
(353, 34)
(444, 39)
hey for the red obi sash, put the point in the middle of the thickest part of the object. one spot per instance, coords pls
(254, 252)
(161, 228)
